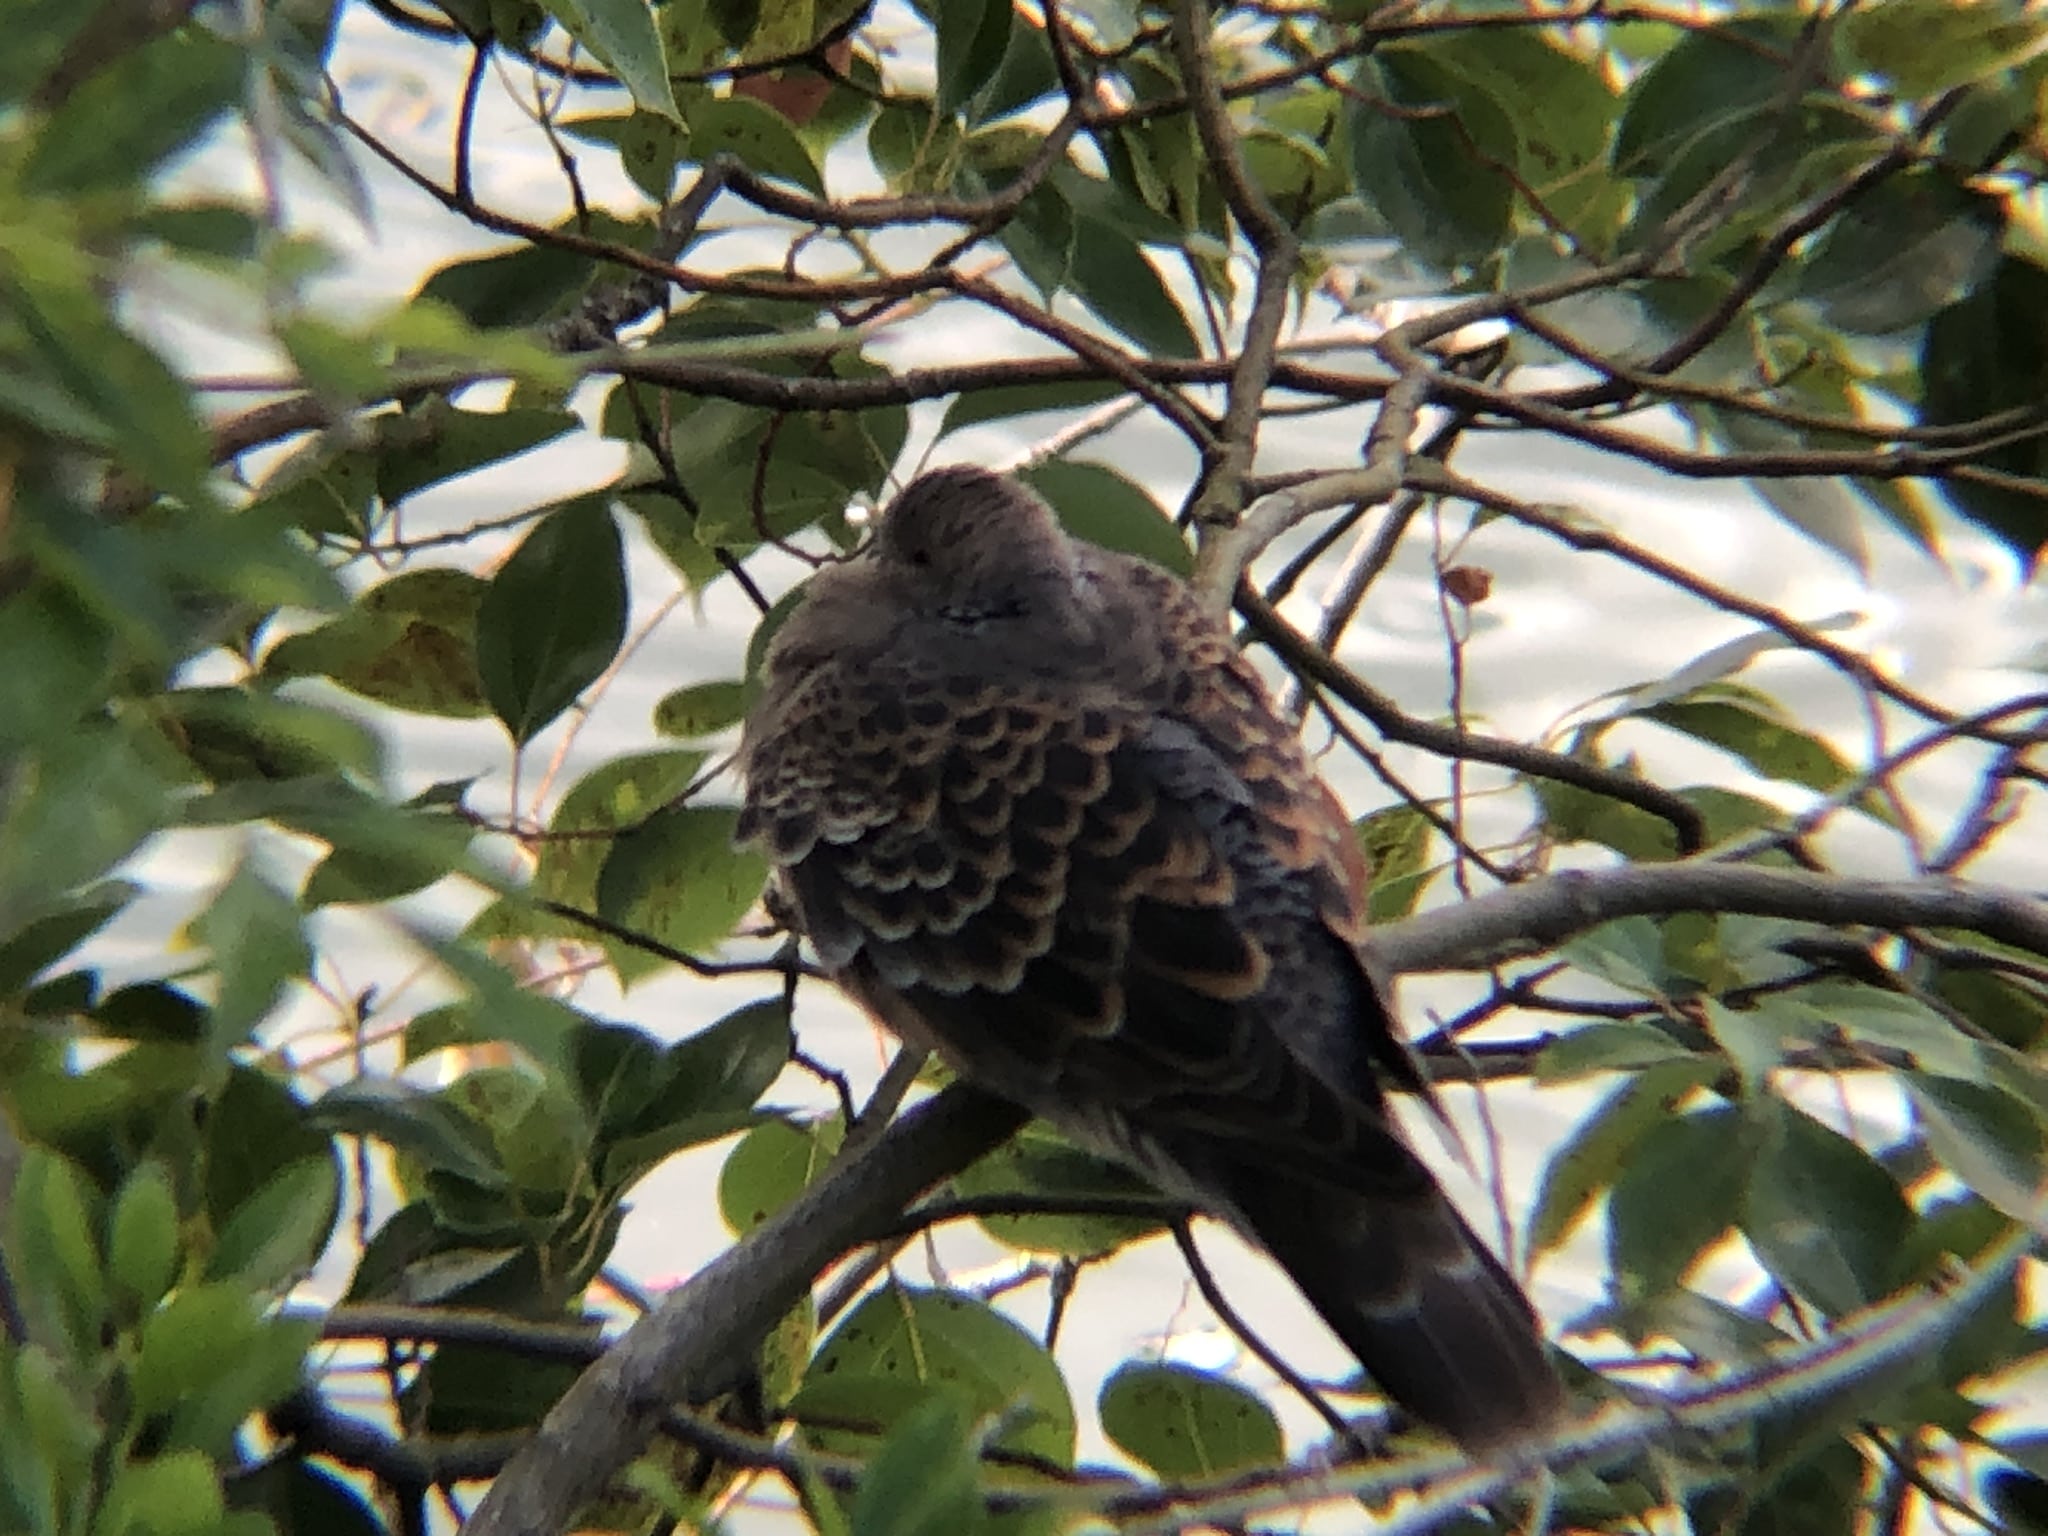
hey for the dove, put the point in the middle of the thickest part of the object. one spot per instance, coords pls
(1035, 812)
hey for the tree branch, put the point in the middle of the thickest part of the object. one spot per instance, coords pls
(1880, 1344)
(1219, 498)
(703, 1332)
(1524, 919)
(1319, 667)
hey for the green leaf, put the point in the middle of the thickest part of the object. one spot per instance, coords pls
(1396, 842)
(617, 1070)
(425, 330)
(2012, 1014)
(127, 119)
(538, 1132)
(142, 1237)
(54, 1255)
(709, 1083)
(1186, 1424)
(1575, 815)
(1705, 81)
(1601, 1144)
(1875, 1016)
(726, 1066)
(946, 1343)
(1771, 745)
(1105, 507)
(40, 944)
(413, 1259)
(1428, 151)
(1653, 1237)
(1987, 1138)
(253, 931)
(336, 363)
(506, 1008)
(623, 34)
(1041, 240)
(1559, 110)
(409, 642)
(471, 1389)
(1822, 1215)
(235, 733)
(78, 806)
(66, 654)
(54, 1437)
(677, 877)
(1756, 1038)
(758, 136)
(773, 1164)
(649, 146)
(185, 1343)
(277, 1234)
(1108, 271)
(1627, 952)
(522, 286)
(973, 36)
(924, 1480)
(43, 29)
(611, 798)
(1983, 354)
(702, 709)
(255, 1125)
(151, 1010)
(437, 441)
(327, 487)
(109, 389)
(406, 852)
(914, 146)
(1006, 401)
(1037, 1161)
(1607, 1045)
(1927, 46)
(553, 617)
(208, 1360)
(1915, 243)
(413, 1121)
(177, 1494)
(1027, 74)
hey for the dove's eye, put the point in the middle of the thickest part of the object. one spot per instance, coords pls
(920, 557)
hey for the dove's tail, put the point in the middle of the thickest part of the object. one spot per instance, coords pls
(1414, 1293)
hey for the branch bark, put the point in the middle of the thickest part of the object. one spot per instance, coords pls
(1526, 918)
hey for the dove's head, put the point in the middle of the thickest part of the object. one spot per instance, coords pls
(963, 541)
(966, 569)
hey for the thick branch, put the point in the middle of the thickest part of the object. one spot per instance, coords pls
(1229, 551)
(705, 1331)
(1528, 918)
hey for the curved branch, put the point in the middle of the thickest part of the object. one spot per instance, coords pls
(1322, 669)
(1544, 912)
(704, 1332)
